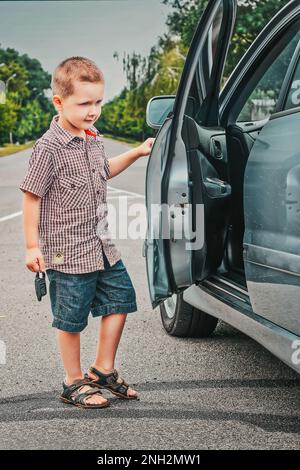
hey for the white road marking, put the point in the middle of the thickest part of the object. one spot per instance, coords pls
(114, 191)
(126, 192)
(10, 216)
(122, 195)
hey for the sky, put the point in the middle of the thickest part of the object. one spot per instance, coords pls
(51, 31)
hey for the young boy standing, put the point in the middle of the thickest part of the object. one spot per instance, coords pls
(64, 219)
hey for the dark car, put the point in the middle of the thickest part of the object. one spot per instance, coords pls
(223, 187)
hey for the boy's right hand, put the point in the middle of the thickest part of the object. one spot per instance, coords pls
(35, 260)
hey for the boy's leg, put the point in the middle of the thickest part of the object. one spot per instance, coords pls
(69, 346)
(110, 331)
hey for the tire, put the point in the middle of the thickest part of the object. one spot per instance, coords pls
(182, 319)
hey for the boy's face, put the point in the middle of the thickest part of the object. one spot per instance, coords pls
(83, 107)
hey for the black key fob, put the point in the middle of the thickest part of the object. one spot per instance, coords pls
(40, 285)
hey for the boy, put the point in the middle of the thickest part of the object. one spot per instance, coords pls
(64, 213)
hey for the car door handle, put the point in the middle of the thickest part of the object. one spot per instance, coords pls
(216, 149)
(216, 187)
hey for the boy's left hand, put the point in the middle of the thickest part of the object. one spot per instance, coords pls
(145, 148)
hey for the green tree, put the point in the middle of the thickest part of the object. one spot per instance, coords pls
(31, 121)
(8, 117)
(252, 16)
(26, 82)
(160, 72)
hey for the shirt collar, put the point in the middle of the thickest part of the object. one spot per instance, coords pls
(65, 136)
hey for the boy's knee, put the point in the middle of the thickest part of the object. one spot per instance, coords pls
(67, 326)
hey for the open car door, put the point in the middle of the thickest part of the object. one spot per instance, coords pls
(185, 198)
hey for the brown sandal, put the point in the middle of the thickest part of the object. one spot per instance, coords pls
(109, 382)
(72, 395)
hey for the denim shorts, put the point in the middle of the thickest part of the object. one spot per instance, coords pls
(102, 292)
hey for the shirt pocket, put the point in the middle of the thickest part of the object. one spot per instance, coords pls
(74, 191)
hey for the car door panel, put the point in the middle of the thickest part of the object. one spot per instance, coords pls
(196, 193)
(210, 190)
(153, 249)
(240, 140)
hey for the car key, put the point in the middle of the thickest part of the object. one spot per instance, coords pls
(40, 286)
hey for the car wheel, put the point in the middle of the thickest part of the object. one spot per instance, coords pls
(182, 319)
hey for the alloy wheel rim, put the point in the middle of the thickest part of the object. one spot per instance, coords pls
(170, 305)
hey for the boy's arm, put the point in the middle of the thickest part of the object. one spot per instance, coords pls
(35, 185)
(123, 161)
(31, 213)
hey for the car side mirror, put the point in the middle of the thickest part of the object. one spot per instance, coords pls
(158, 109)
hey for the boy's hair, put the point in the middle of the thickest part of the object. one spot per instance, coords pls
(71, 69)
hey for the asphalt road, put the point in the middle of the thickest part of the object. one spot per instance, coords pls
(226, 392)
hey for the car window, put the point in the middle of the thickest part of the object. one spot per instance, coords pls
(293, 96)
(205, 64)
(263, 100)
(208, 54)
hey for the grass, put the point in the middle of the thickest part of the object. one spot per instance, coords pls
(14, 148)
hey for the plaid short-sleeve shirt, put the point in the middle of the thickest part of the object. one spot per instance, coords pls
(70, 174)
